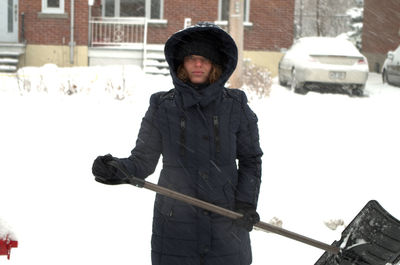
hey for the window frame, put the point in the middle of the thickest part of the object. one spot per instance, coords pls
(246, 15)
(117, 13)
(53, 10)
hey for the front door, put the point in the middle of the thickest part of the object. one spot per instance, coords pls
(8, 20)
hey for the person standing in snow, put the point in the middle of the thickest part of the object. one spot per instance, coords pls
(208, 138)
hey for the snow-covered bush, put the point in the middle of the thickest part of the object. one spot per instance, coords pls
(256, 80)
(117, 81)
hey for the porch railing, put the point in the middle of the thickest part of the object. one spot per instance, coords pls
(106, 31)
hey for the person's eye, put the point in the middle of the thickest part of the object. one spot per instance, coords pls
(189, 58)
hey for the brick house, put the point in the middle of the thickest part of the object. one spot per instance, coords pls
(114, 31)
(381, 30)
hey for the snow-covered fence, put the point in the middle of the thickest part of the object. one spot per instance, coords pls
(117, 31)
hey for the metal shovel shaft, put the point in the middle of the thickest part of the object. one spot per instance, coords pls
(234, 215)
(222, 211)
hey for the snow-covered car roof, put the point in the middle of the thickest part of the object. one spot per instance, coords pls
(328, 46)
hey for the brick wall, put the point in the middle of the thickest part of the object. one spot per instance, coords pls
(381, 29)
(54, 29)
(381, 26)
(273, 27)
(175, 12)
(272, 20)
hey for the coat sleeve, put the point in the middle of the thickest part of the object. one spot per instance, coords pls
(145, 155)
(249, 156)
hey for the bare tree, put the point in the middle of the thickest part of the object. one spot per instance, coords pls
(322, 17)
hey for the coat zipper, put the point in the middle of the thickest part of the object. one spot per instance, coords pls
(182, 138)
(216, 134)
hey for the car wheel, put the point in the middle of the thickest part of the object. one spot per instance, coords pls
(295, 86)
(282, 82)
(384, 77)
(359, 92)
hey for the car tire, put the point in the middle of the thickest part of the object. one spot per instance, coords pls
(281, 82)
(358, 92)
(295, 86)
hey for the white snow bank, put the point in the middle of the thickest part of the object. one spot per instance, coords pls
(119, 81)
(325, 156)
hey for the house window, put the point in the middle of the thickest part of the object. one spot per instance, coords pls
(133, 8)
(53, 6)
(223, 13)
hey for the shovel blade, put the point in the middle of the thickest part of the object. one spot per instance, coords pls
(372, 238)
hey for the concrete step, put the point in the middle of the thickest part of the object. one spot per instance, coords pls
(156, 63)
(7, 60)
(156, 70)
(9, 54)
(155, 55)
(8, 68)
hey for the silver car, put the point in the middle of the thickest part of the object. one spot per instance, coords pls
(324, 64)
(391, 68)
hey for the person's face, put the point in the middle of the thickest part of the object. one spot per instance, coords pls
(198, 68)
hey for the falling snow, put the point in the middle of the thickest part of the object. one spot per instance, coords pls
(325, 156)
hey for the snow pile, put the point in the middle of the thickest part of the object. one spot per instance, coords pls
(334, 224)
(6, 231)
(276, 221)
(119, 81)
(355, 13)
(325, 156)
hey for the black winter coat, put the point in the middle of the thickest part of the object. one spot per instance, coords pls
(210, 150)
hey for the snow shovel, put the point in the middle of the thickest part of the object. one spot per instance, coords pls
(372, 238)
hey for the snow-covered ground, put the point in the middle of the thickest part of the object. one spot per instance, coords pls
(325, 157)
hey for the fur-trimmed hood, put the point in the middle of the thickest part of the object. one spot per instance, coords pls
(225, 47)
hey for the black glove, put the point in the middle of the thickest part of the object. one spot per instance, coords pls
(105, 173)
(250, 215)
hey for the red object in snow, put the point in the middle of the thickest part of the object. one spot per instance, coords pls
(6, 245)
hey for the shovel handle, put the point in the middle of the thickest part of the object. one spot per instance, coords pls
(289, 234)
(234, 215)
(222, 211)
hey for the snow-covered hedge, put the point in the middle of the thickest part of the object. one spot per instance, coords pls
(118, 81)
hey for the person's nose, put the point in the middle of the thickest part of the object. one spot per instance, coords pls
(198, 62)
